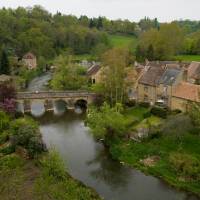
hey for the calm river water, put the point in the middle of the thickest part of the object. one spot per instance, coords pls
(88, 161)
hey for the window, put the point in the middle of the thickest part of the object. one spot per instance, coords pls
(146, 88)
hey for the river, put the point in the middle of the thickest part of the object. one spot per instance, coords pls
(88, 161)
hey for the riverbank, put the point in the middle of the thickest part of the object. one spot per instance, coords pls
(28, 171)
(43, 178)
(167, 147)
(171, 152)
(133, 154)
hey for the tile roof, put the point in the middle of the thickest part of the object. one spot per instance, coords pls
(93, 70)
(169, 76)
(152, 76)
(187, 91)
(194, 70)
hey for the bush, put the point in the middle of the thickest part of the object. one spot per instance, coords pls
(4, 121)
(11, 162)
(144, 104)
(146, 115)
(35, 146)
(130, 103)
(4, 137)
(7, 150)
(160, 112)
(25, 133)
(178, 125)
(185, 165)
(175, 112)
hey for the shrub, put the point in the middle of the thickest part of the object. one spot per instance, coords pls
(130, 103)
(147, 115)
(7, 150)
(4, 137)
(160, 112)
(10, 162)
(144, 104)
(175, 112)
(185, 165)
(4, 121)
(178, 125)
(25, 132)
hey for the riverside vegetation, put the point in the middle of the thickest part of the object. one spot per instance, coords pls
(170, 150)
(28, 171)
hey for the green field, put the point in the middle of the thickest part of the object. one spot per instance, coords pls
(188, 58)
(123, 41)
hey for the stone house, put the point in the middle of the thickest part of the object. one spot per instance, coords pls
(94, 74)
(131, 82)
(170, 78)
(30, 60)
(148, 83)
(183, 94)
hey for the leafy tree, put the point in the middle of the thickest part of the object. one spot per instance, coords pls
(4, 65)
(165, 46)
(115, 62)
(140, 54)
(68, 76)
(99, 23)
(150, 52)
(107, 123)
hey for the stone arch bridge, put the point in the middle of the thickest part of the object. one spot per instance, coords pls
(48, 98)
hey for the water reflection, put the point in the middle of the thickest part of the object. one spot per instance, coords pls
(89, 162)
(37, 108)
(108, 169)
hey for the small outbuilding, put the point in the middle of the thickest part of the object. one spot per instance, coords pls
(30, 60)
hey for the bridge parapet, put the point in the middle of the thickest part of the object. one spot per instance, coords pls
(53, 94)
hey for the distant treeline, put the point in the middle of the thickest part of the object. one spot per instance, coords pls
(47, 35)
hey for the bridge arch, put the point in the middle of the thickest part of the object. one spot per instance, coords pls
(81, 103)
(37, 107)
(60, 106)
(20, 107)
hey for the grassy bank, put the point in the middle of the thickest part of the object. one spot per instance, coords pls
(188, 58)
(42, 179)
(176, 150)
(153, 139)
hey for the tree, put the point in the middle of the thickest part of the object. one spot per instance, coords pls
(115, 62)
(166, 42)
(107, 123)
(4, 65)
(68, 76)
(140, 54)
(150, 52)
(99, 23)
